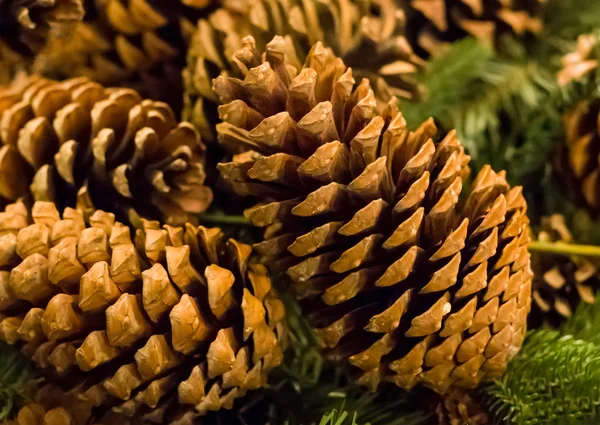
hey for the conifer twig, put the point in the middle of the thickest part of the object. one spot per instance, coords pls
(238, 220)
(561, 248)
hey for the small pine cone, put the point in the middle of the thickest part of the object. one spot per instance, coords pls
(395, 274)
(157, 325)
(560, 282)
(78, 143)
(28, 24)
(577, 161)
(138, 44)
(458, 407)
(582, 61)
(367, 34)
(433, 24)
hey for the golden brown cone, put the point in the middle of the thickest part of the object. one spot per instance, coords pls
(395, 274)
(138, 44)
(459, 407)
(434, 24)
(577, 166)
(368, 36)
(198, 326)
(582, 61)
(560, 282)
(79, 143)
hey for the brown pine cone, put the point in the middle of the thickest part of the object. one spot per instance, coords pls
(159, 324)
(435, 23)
(78, 143)
(577, 161)
(367, 34)
(138, 44)
(560, 282)
(582, 61)
(27, 24)
(395, 274)
(458, 407)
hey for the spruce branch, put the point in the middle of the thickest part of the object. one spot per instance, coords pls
(501, 107)
(553, 380)
(584, 324)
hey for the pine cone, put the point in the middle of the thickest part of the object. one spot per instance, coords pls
(154, 326)
(27, 24)
(582, 61)
(367, 34)
(138, 44)
(395, 274)
(577, 163)
(53, 406)
(560, 283)
(435, 23)
(458, 407)
(76, 142)
(11, 63)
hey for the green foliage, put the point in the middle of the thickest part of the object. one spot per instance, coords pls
(555, 378)
(372, 413)
(501, 107)
(17, 380)
(567, 19)
(584, 324)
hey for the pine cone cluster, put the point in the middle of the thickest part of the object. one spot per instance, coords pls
(167, 325)
(134, 43)
(459, 407)
(78, 143)
(577, 161)
(367, 34)
(400, 271)
(560, 283)
(582, 61)
(435, 23)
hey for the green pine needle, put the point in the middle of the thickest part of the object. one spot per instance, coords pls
(555, 378)
(17, 380)
(502, 108)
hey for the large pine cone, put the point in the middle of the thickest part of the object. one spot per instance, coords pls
(367, 34)
(133, 43)
(435, 23)
(560, 282)
(76, 142)
(156, 325)
(395, 273)
(577, 161)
